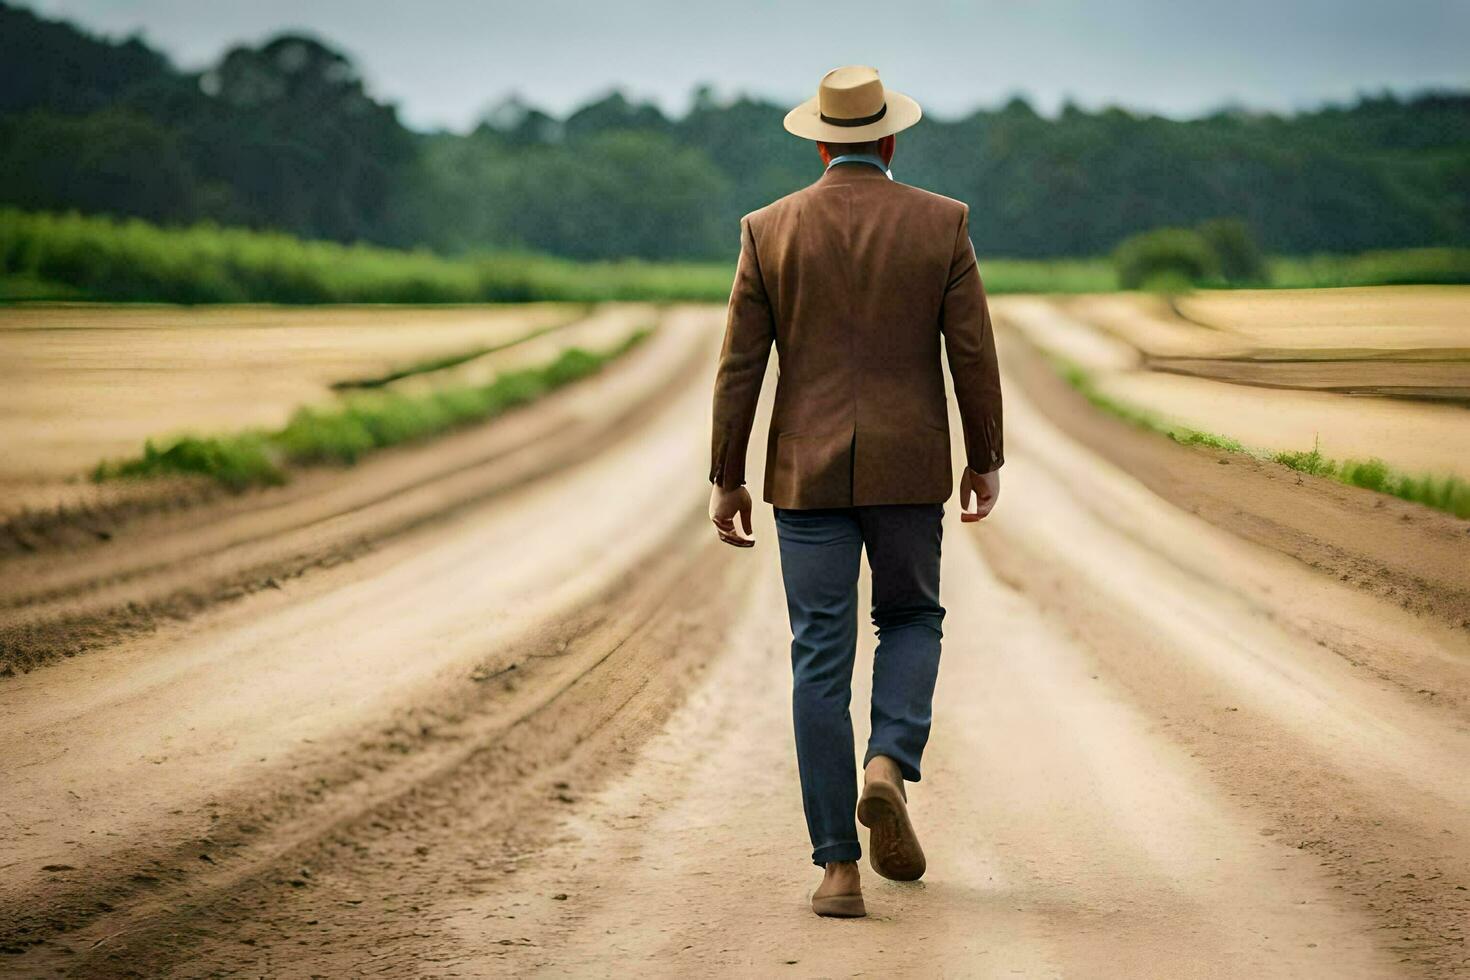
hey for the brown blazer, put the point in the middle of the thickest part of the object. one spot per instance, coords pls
(854, 279)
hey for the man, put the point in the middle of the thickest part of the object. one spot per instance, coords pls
(855, 279)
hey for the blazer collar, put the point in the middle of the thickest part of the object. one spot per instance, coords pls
(849, 173)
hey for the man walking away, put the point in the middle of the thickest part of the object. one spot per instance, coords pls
(855, 279)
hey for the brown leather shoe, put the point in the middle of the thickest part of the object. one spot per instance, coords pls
(840, 906)
(893, 847)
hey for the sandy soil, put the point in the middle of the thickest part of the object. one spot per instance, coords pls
(1390, 320)
(1160, 750)
(86, 581)
(1410, 436)
(115, 760)
(1350, 375)
(1146, 324)
(1050, 327)
(602, 329)
(1409, 342)
(80, 384)
(1384, 318)
(1281, 397)
(1392, 549)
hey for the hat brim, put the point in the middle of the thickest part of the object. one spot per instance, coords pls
(806, 121)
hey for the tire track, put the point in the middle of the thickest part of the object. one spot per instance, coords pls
(1296, 690)
(173, 567)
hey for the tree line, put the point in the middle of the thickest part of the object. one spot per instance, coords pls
(285, 136)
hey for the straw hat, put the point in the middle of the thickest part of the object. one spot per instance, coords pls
(852, 106)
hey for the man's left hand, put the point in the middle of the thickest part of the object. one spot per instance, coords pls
(984, 487)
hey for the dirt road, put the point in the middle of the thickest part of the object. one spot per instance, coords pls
(547, 733)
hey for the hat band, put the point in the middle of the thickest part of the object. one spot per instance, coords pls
(860, 121)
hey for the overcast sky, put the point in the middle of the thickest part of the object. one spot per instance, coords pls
(444, 61)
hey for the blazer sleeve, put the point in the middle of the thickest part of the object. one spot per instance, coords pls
(969, 341)
(750, 330)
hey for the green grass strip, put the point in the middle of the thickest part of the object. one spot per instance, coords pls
(362, 424)
(1385, 267)
(73, 257)
(101, 258)
(1080, 379)
(444, 362)
(1447, 493)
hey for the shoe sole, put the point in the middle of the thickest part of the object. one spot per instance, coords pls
(893, 846)
(840, 906)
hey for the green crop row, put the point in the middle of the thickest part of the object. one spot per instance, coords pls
(103, 259)
(359, 425)
(1446, 492)
(71, 256)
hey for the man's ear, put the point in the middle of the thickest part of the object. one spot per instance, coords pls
(825, 152)
(886, 147)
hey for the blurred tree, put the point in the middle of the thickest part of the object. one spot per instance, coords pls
(614, 111)
(617, 193)
(285, 135)
(519, 123)
(290, 126)
(52, 65)
(758, 160)
(90, 163)
(1241, 261)
(1165, 258)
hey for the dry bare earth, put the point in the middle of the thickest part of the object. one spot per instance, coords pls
(1275, 369)
(77, 586)
(83, 383)
(1161, 748)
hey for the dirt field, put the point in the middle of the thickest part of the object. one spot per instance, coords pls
(79, 384)
(1368, 373)
(1377, 320)
(501, 706)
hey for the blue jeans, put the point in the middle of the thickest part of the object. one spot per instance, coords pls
(820, 551)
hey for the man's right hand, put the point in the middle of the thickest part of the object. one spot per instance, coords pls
(984, 487)
(723, 506)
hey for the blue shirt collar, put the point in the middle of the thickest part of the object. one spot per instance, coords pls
(868, 158)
